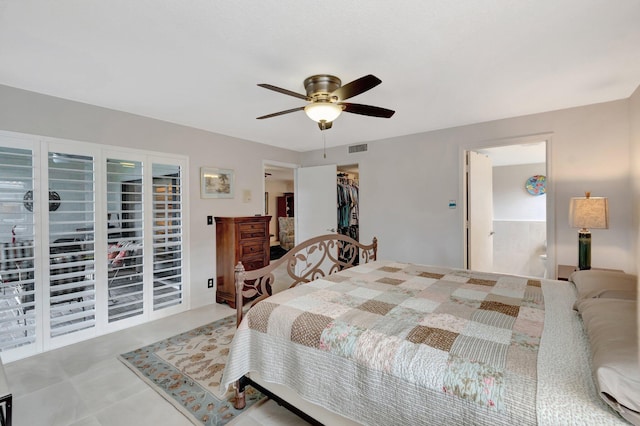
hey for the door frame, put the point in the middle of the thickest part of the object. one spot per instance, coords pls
(550, 202)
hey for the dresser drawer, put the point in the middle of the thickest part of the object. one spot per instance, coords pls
(252, 230)
(251, 249)
(250, 265)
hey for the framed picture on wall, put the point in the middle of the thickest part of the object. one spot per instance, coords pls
(216, 183)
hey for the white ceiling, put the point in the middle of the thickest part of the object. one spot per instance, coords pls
(443, 63)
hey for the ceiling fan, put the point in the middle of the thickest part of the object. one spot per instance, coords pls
(326, 94)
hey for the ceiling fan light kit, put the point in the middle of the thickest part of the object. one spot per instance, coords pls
(323, 111)
(326, 94)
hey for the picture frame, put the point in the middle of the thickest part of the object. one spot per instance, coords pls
(266, 203)
(216, 183)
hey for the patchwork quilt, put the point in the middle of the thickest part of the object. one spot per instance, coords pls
(395, 343)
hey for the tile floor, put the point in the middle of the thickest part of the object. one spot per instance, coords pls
(85, 384)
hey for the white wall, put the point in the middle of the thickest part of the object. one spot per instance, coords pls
(511, 201)
(32, 113)
(517, 247)
(634, 119)
(406, 183)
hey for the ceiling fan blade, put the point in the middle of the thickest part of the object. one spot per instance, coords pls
(285, 91)
(275, 114)
(372, 111)
(356, 87)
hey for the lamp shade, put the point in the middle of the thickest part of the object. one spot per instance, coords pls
(589, 212)
(323, 111)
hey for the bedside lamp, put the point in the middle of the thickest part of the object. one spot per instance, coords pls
(587, 213)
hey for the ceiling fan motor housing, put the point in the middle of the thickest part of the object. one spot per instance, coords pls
(320, 87)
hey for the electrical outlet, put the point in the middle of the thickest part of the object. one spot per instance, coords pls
(210, 283)
(209, 220)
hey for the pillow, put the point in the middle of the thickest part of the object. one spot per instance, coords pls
(595, 283)
(611, 294)
(611, 326)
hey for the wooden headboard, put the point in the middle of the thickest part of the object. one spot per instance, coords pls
(312, 259)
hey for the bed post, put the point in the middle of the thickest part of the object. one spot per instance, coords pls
(239, 278)
(238, 386)
(375, 248)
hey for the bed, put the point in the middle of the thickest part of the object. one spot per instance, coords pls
(362, 340)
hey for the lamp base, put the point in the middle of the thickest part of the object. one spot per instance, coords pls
(584, 250)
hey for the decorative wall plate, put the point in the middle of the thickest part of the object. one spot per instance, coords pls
(536, 185)
(54, 201)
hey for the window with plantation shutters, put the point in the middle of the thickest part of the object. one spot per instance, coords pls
(91, 240)
(71, 210)
(167, 236)
(125, 239)
(17, 261)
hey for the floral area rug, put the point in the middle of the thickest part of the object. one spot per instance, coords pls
(186, 370)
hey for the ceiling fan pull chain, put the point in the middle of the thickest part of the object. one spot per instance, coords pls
(324, 142)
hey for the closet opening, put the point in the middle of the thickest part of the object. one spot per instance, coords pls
(348, 187)
(348, 204)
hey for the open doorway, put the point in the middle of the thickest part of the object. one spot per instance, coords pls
(279, 203)
(517, 236)
(348, 180)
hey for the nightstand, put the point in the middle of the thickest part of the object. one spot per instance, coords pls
(565, 271)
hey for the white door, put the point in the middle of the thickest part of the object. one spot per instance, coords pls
(315, 201)
(480, 212)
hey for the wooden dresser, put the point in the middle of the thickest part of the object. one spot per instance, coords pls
(239, 239)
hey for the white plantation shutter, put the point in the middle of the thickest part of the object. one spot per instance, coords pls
(65, 205)
(167, 236)
(71, 249)
(17, 263)
(125, 238)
